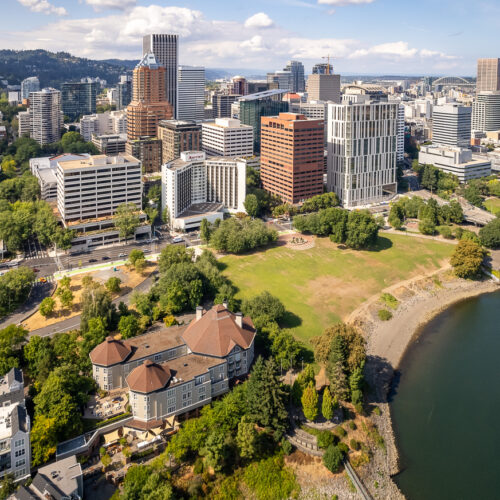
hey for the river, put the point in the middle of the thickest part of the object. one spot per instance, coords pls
(446, 406)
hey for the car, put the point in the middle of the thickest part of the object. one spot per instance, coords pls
(122, 255)
(105, 257)
(43, 280)
(35, 270)
(178, 239)
(92, 260)
(146, 251)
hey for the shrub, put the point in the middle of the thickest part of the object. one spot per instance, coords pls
(384, 314)
(426, 226)
(113, 284)
(354, 445)
(359, 460)
(467, 259)
(377, 411)
(325, 439)
(332, 459)
(445, 232)
(47, 306)
(490, 234)
(352, 425)
(343, 448)
(340, 431)
(390, 300)
(286, 446)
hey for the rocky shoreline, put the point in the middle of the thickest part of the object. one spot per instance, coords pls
(420, 300)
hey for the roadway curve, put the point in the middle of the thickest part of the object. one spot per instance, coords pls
(74, 322)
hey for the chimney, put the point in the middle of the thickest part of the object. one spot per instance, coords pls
(239, 319)
(199, 312)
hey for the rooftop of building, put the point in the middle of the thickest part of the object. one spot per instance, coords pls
(197, 209)
(13, 377)
(13, 418)
(365, 88)
(48, 175)
(218, 332)
(97, 161)
(58, 479)
(113, 351)
(150, 377)
(262, 95)
(148, 61)
(227, 123)
(176, 124)
(463, 156)
(188, 157)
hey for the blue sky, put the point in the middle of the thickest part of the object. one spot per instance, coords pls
(365, 36)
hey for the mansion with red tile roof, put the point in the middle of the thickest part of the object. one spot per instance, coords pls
(177, 369)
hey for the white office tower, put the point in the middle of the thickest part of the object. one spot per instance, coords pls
(23, 118)
(28, 85)
(362, 151)
(486, 112)
(227, 137)
(401, 135)
(323, 88)
(111, 122)
(451, 125)
(191, 93)
(45, 116)
(195, 187)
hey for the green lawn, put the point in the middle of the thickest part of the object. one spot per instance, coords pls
(492, 205)
(323, 285)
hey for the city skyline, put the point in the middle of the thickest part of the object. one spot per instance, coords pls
(364, 36)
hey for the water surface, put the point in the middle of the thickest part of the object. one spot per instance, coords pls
(446, 406)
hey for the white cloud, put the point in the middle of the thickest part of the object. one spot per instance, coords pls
(342, 3)
(259, 20)
(393, 49)
(44, 7)
(254, 44)
(99, 5)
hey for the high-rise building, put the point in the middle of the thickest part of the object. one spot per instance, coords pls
(400, 156)
(148, 151)
(323, 88)
(227, 137)
(254, 106)
(296, 69)
(23, 118)
(280, 80)
(257, 86)
(239, 86)
(78, 99)
(45, 116)
(488, 75)
(177, 136)
(195, 188)
(321, 69)
(191, 93)
(292, 156)
(166, 50)
(28, 85)
(486, 112)
(451, 125)
(221, 105)
(362, 151)
(110, 122)
(124, 89)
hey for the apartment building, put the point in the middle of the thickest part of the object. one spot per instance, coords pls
(90, 189)
(28, 85)
(227, 137)
(24, 126)
(110, 122)
(292, 156)
(45, 116)
(451, 125)
(178, 369)
(15, 450)
(177, 136)
(488, 75)
(195, 187)
(486, 112)
(362, 143)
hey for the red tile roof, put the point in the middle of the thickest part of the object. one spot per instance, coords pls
(217, 332)
(148, 377)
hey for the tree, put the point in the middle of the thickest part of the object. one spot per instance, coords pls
(126, 219)
(87, 280)
(15, 286)
(266, 397)
(426, 226)
(47, 306)
(11, 339)
(336, 368)
(66, 297)
(43, 438)
(94, 334)
(205, 231)
(7, 486)
(106, 461)
(396, 216)
(216, 450)
(128, 326)
(140, 265)
(113, 284)
(142, 302)
(96, 303)
(473, 196)
(144, 482)
(135, 255)
(39, 357)
(327, 405)
(467, 259)
(251, 205)
(263, 309)
(310, 402)
(65, 282)
(285, 349)
(247, 439)
(173, 254)
(490, 234)
(362, 229)
(332, 459)
(9, 166)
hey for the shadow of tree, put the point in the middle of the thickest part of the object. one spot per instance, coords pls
(290, 320)
(380, 376)
(382, 244)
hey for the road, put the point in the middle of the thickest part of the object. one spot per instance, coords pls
(74, 322)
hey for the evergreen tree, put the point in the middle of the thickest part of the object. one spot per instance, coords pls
(310, 402)
(336, 368)
(327, 404)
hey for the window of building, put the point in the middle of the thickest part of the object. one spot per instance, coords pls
(199, 380)
(19, 443)
(171, 409)
(20, 462)
(20, 453)
(157, 357)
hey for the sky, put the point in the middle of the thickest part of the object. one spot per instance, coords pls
(431, 37)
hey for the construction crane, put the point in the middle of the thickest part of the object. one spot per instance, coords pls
(328, 63)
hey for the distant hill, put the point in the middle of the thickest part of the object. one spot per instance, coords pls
(53, 69)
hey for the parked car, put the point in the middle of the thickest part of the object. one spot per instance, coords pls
(105, 257)
(92, 260)
(35, 270)
(122, 255)
(42, 280)
(178, 239)
(146, 251)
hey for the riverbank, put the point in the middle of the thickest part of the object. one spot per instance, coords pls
(420, 300)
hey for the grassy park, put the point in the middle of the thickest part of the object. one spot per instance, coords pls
(322, 285)
(492, 205)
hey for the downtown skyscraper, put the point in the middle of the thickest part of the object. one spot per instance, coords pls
(166, 50)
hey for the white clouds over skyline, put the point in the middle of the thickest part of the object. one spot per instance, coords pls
(255, 43)
(44, 7)
(99, 5)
